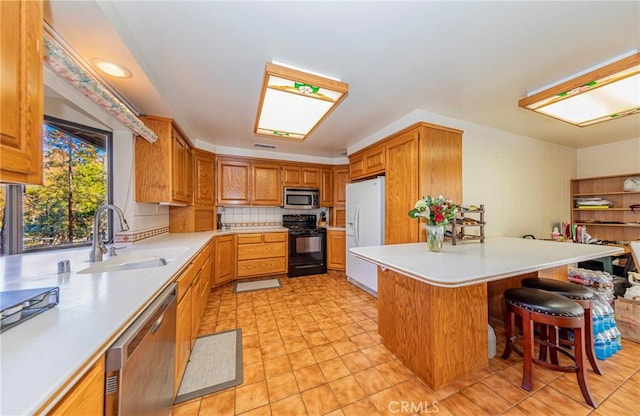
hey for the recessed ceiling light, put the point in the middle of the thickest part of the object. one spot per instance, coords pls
(607, 93)
(111, 68)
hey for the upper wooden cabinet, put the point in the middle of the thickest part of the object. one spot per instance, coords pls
(301, 176)
(423, 159)
(241, 182)
(201, 215)
(164, 169)
(340, 179)
(326, 187)
(367, 162)
(266, 185)
(233, 177)
(204, 172)
(21, 96)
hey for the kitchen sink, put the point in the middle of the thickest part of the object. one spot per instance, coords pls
(135, 259)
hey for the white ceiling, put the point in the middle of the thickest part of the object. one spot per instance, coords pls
(202, 62)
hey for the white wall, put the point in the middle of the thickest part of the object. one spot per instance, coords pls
(609, 159)
(523, 182)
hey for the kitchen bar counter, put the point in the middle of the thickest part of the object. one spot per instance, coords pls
(468, 263)
(433, 307)
(45, 355)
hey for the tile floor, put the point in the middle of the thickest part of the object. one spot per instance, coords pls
(312, 348)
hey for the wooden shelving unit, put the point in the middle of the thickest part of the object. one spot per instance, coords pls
(468, 217)
(616, 223)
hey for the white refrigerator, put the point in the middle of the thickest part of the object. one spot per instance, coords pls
(364, 227)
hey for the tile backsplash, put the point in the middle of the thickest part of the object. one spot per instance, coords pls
(261, 216)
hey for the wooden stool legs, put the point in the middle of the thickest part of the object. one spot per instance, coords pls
(549, 340)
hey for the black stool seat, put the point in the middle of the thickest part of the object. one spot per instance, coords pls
(540, 301)
(559, 287)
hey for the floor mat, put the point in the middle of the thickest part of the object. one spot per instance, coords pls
(215, 363)
(239, 287)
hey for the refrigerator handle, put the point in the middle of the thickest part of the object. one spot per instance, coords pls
(356, 225)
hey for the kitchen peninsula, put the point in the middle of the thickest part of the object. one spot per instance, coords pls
(433, 307)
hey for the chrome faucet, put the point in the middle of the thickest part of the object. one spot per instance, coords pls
(97, 246)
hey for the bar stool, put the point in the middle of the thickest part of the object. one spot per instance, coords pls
(578, 294)
(545, 308)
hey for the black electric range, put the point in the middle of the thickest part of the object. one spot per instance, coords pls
(307, 245)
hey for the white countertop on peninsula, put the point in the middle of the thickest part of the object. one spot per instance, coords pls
(39, 355)
(469, 263)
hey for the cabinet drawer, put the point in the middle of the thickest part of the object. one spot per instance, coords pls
(261, 251)
(274, 237)
(249, 238)
(185, 280)
(249, 268)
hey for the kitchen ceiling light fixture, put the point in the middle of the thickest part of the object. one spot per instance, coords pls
(293, 102)
(111, 68)
(607, 93)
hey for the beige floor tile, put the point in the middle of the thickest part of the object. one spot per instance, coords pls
(360, 408)
(345, 346)
(252, 373)
(356, 361)
(534, 406)
(301, 359)
(347, 390)
(294, 344)
(506, 390)
(319, 400)
(378, 354)
(395, 371)
(272, 350)
(251, 396)
(277, 366)
(259, 411)
(282, 386)
(309, 377)
(190, 408)
(371, 380)
(334, 369)
(219, 404)
(324, 353)
(491, 402)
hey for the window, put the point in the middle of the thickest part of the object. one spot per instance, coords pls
(60, 212)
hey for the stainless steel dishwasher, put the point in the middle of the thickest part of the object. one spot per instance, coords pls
(140, 364)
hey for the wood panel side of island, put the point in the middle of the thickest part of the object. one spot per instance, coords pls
(439, 333)
(495, 289)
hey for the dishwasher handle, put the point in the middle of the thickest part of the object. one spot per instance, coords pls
(148, 322)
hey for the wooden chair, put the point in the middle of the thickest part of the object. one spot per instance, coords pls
(583, 297)
(537, 306)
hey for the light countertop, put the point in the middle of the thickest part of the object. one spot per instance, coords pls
(39, 355)
(469, 263)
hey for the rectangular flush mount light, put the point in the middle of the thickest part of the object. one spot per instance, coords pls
(293, 103)
(606, 93)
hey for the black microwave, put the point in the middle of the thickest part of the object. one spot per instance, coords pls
(301, 198)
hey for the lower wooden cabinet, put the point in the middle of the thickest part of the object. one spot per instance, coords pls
(86, 397)
(183, 338)
(336, 250)
(261, 254)
(224, 259)
(193, 291)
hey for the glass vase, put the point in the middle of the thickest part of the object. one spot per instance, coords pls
(435, 237)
